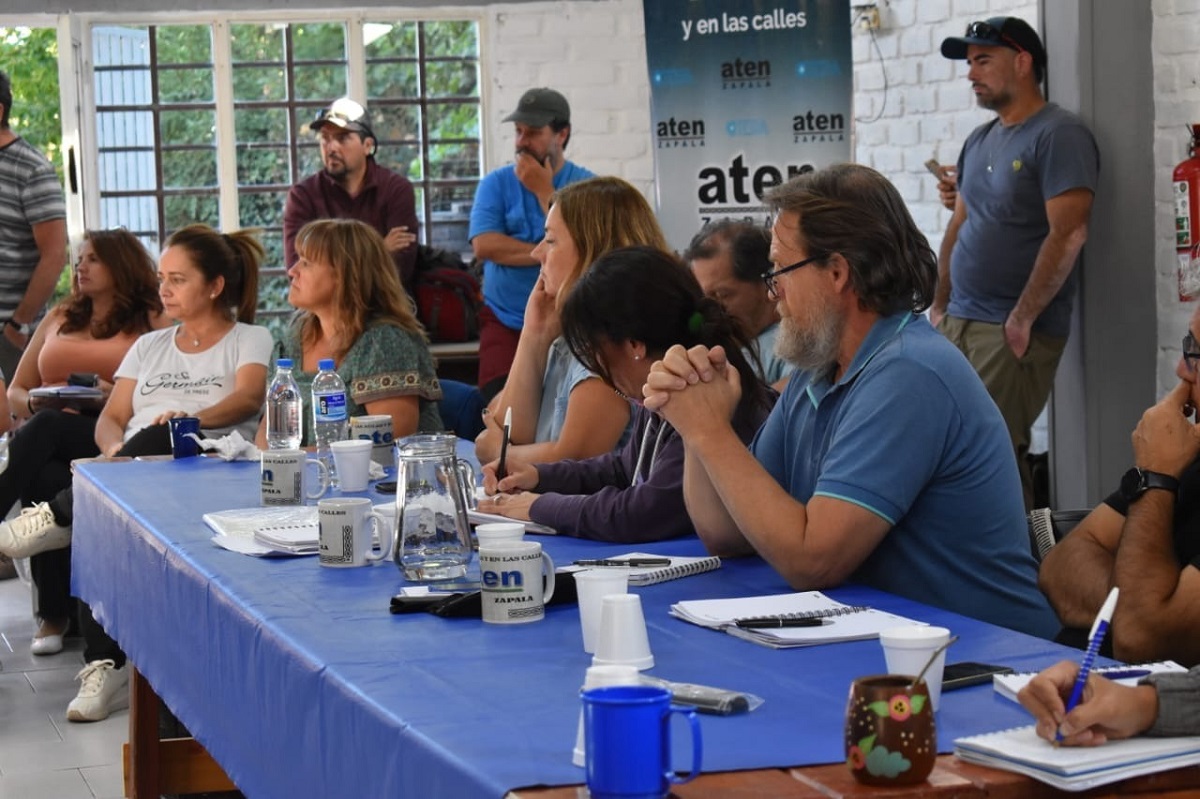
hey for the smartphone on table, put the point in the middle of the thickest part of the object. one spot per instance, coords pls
(960, 675)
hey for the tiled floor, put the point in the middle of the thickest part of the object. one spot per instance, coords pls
(42, 755)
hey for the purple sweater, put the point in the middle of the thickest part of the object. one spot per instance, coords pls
(595, 498)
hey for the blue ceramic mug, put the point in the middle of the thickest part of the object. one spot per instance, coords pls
(182, 445)
(629, 741)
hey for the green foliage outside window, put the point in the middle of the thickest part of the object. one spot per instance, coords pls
(434, 138)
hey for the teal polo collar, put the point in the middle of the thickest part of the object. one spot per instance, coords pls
(884, 330)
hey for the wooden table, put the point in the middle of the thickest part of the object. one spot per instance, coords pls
(951, 779)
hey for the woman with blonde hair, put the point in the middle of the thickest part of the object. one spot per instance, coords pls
(352, 309)
(559, 408)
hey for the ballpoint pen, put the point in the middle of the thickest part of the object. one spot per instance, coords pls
(773, 623)
(632, 562)
(1123, 674)
(501, 472)
(1099, 630)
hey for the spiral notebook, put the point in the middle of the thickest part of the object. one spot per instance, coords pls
(842, 622)
(291, 530)
(1076, 768)
(679, 567)
(1008, 685)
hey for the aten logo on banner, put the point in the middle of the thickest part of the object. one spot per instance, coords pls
(739, 74)
(740, 186)
(680, 133)
(810, 127)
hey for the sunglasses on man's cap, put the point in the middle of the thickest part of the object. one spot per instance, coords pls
(346, 114)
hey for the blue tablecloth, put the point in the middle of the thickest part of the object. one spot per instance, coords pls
(301, 684)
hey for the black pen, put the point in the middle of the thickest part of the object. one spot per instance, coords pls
(501, 472)
(634, 562)
(771, 623)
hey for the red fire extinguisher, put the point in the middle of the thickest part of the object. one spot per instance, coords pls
(1187, 218)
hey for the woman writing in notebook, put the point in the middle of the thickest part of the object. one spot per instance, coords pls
(113, 300)
(1163, 705)
(622, 315)
(559, 408)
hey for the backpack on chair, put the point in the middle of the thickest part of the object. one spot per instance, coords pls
(447, 296)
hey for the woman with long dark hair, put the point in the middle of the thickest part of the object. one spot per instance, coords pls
(211, 365)
(622, 315)
(113, 300)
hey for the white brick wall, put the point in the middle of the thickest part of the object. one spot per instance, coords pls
(595, 53)
(925, 91)
(1176, 44)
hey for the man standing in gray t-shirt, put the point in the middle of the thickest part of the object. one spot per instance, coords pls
(33, 236)
(1026, 181)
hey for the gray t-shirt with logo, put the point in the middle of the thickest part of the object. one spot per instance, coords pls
(1005, 177)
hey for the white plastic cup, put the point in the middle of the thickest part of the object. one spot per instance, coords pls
(623, 640)
(495, 532)
(600, 677)
(352, 458)
(592, 586)
(907, 650)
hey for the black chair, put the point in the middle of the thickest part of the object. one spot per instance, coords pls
(1047, 527)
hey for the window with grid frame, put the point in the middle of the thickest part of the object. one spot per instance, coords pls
(159, 152)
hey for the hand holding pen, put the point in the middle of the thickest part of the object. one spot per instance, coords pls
(1095, 637)
(501, 471)
(1108, 710)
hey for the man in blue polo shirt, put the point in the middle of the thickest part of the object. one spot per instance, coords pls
(885, 462)
(507, 221)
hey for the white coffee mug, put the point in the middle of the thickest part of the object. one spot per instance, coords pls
(284, 475)
(347, 530)
(511, 574)
(378, 430)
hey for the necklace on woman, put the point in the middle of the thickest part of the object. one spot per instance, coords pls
(195, 339)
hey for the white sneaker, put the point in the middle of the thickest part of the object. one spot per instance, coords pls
(105, 688)
(32, 532)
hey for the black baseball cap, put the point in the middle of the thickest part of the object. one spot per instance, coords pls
(1011, 32)
(539, 107)
(346, 114)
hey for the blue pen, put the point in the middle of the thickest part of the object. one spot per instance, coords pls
(1099, 630)
(1123, 674)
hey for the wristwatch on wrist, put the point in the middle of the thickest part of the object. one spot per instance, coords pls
(24, 330)
(1138, 481)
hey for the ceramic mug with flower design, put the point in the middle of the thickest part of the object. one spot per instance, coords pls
(891, 738)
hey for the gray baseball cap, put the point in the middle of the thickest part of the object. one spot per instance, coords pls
(540, 107)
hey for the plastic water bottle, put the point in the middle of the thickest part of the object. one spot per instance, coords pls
(284, 407)
(329, 413)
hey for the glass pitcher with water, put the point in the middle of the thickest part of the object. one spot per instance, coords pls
(434, 489)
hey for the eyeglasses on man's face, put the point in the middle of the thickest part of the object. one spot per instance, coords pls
(988, 32)
(769, 278)
(1191, 351)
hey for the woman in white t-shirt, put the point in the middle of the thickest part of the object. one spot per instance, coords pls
(212, 365)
